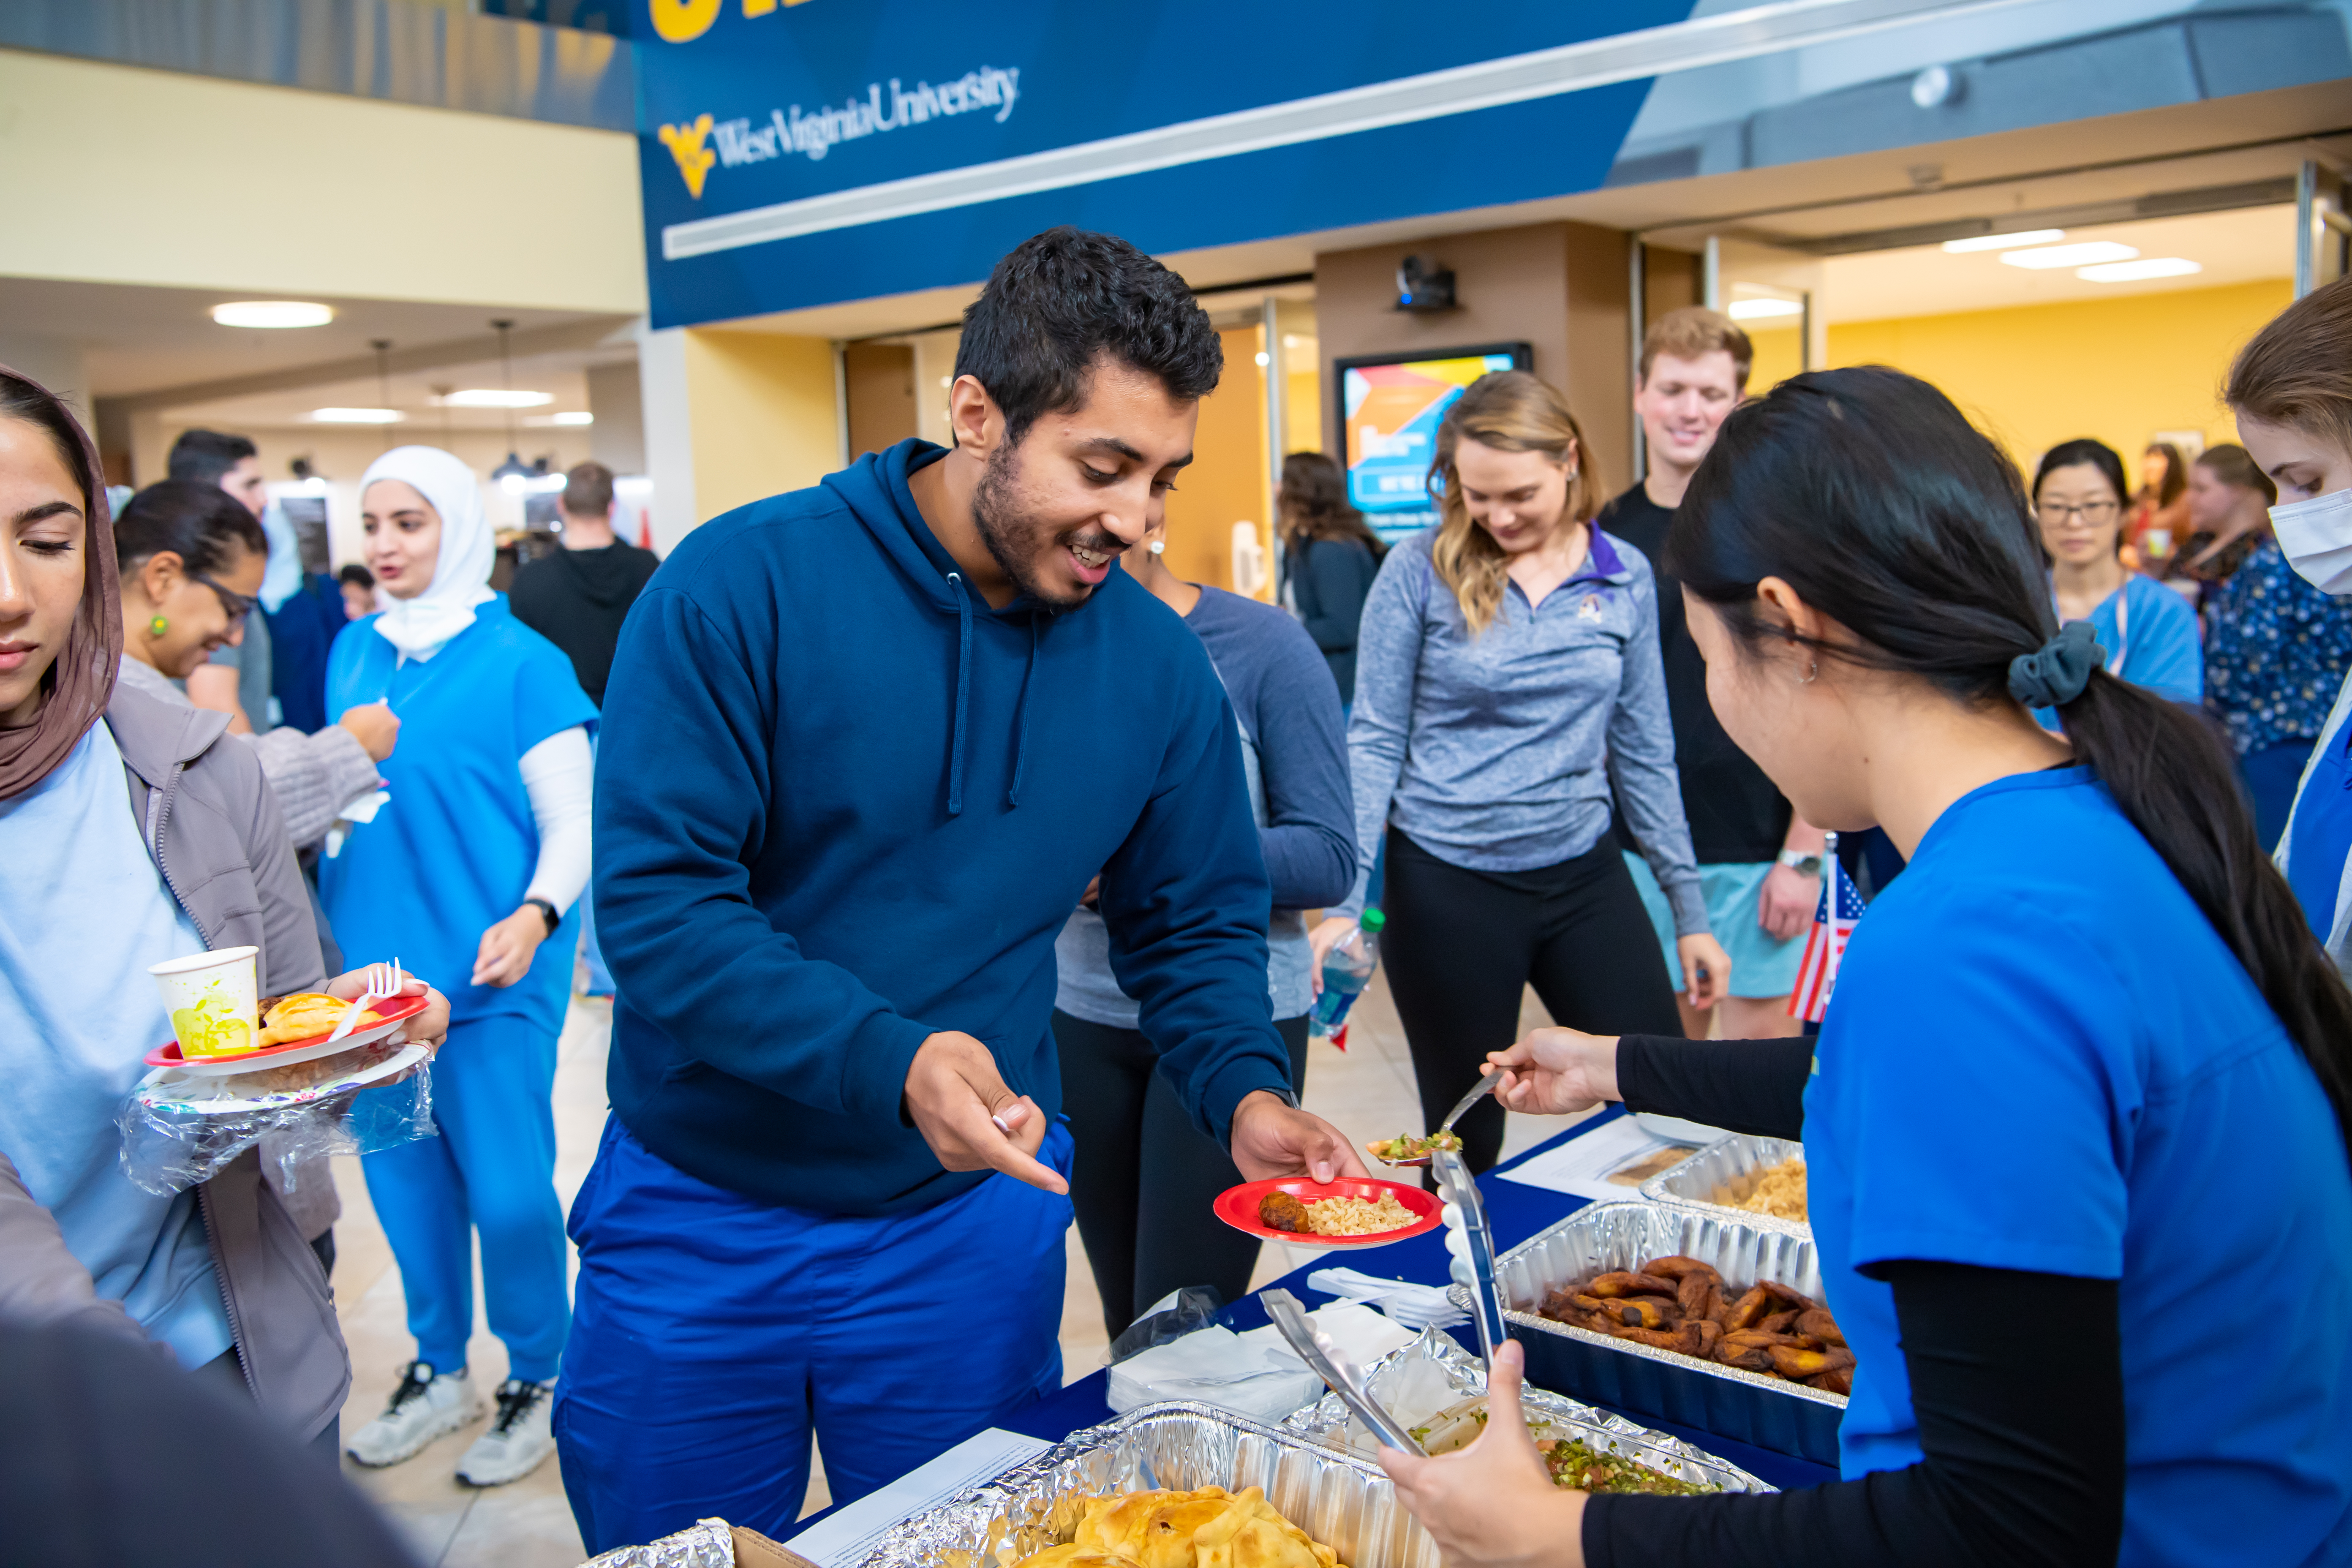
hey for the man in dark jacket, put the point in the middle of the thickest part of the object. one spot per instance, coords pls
(578, 598)
(879, 736)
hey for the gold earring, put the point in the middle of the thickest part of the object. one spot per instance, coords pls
(157, 626)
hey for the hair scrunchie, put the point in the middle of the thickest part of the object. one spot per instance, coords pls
(2056, 675)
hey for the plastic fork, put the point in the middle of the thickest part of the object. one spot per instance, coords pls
(384, 981)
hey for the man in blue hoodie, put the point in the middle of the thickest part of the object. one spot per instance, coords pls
(878, 737)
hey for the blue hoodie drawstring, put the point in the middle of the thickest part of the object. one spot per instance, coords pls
(1028, 682)
(963, 690)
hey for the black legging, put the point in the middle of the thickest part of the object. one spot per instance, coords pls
(1460, 946)
(1144, 1176)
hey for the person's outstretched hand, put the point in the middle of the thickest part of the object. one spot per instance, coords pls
(375, 726)
(1493, 1505)
(953, 1091)
(1272, 1137)
(1555, 1071)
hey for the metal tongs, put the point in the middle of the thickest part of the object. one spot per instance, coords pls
(1324, 1357)
(1479, 1091)
(1456, 1187)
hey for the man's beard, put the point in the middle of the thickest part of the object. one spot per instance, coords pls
(1017, 543)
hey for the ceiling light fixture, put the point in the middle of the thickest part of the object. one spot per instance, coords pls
(2069, 254)
(2133, 271)
(1763, 309)
(272, 314)
(355, 416)
(494, 398)
(569, 416)
(2017, 241)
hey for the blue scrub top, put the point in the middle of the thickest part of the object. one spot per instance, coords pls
(2157, 640)
(452, 852)
(2320, 838)
(2042, 1057)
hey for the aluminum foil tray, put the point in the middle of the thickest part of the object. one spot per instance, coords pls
(1694, 1183)
(1642, 1380)
(1347, 1503)
(1327, 1422)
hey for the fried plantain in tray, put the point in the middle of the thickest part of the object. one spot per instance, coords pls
(1681, 1304)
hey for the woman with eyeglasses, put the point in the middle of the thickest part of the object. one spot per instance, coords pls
(2148, 633)
(192, 559)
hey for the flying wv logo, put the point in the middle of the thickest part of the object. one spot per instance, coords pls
(694, 160)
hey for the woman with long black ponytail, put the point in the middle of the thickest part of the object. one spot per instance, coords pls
(2075, 1124)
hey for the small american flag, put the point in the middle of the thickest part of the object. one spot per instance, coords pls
(1825, 948)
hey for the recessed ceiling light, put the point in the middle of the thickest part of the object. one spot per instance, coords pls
(569, 416)
(2133, 271)
(272, 314)
(492, 397)
(1762, 310)
(2069, 254)
(2005, 241)
(356, 415)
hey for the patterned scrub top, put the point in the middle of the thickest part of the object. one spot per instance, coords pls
(2275, 652)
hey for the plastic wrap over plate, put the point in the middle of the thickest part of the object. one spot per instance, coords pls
(1345, 1501)
(1549, 1414)
(1643, 1380)
(1726, 1163)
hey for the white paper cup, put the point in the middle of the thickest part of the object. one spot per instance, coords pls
(213, 1000)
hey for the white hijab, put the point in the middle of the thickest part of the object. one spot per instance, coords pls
(461, 575)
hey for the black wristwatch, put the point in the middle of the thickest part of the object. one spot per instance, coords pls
(548, 909)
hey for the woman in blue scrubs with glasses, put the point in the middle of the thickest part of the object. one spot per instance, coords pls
(2292, 392)
(469, 868)
(2075, 1121)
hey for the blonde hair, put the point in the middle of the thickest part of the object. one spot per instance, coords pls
(1511, 411)
(2297, 370)
(1695, 331)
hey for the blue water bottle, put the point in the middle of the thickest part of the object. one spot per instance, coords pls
(1346, 971)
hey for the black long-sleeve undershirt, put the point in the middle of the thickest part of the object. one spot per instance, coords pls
(1741, 1086)
(2016, 1387)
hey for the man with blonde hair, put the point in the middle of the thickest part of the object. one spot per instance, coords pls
(1760, 865)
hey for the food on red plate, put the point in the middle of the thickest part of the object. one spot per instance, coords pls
(1338, 1215)
(1680, 1304)
(304, 1015)
(1280, 1211)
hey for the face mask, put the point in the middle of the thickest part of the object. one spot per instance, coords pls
(2316, 535)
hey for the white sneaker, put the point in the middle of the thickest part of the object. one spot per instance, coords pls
(425, 1405)
(517, 1441)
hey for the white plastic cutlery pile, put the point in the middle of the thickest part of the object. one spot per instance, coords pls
(384, 981)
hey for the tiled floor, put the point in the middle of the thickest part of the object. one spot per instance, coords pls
(1367, 1092)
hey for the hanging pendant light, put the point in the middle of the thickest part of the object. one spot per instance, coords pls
(514, 472)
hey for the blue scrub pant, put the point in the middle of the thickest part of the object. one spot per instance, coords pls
(492, 1169)
(713, 1331)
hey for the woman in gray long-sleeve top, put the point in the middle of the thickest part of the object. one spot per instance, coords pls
(1508, 670)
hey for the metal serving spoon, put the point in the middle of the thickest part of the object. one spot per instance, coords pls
(1480, 1090)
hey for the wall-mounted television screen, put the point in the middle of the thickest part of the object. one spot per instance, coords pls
(1389, 407)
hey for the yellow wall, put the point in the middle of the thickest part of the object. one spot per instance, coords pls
(2118, 369)
(1780, 354)
(113, 175)
(1227, 482)
(763, 416)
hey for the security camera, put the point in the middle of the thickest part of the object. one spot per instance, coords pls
(1419, 289)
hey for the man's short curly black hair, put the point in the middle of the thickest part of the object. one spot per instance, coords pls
(1061, 300)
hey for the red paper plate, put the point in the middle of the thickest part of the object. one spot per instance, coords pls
(167, 1055)
(1237, 1206)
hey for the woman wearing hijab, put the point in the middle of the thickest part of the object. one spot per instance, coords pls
(101, 787)
(468, 864)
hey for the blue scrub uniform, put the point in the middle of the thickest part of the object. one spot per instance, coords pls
(450, 856)
(2318, 838)
(2042, 1057)
(2151, 637)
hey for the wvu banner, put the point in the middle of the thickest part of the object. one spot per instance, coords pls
(807, 152)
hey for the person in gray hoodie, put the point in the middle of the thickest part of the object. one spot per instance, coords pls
(132, 835)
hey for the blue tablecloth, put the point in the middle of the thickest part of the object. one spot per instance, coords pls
(1516, 1212)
